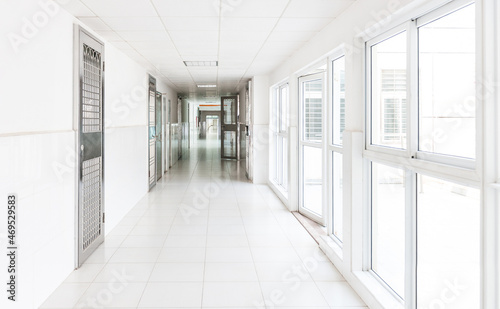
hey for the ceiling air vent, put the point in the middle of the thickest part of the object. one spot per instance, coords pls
(201, 63)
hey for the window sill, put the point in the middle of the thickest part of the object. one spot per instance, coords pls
(384, 298)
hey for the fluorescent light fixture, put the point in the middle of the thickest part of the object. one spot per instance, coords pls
(201, 63)
(207, 86)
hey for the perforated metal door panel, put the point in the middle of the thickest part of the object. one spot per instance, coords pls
(91, 147)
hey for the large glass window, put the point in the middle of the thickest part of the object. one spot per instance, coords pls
(313, 110)
(447, 104)
(388, 225)
(388, 92)
(448, 244)
(425, 231)
(335, 145)
(279, 127)
(313, 180)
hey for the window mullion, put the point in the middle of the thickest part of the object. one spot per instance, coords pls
(412, 89)
(411, 239)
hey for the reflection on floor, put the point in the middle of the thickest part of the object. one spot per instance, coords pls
(205, 237)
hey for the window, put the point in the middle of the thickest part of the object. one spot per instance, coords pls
(313, 110)
(335, 146)
(388, 226)
(424, 233)
(447, 104)
(279, 126)
(388, 92)
(448, 243)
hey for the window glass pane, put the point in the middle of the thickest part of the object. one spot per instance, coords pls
(284, 164)
(284, 109)
(447, 85)
(337, 196)
(388, 92)
(313, 179)
(279, 163)
(275, 110)
(338, 100)
(388, 225)
(448, 245)
(312, 110)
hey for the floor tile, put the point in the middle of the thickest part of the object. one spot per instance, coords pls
(134, 272)
(172, 294)
(180, 255)
(135, 255)
(299, 294)
(178, 272)
(66, 295)
(231, 294)
(228, 255)
(232, 272)
(116, 294)
(339, 294)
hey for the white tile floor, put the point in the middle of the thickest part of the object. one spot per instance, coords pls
(204, 237)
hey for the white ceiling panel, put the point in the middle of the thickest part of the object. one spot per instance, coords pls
(134, 23)
(253, 8)
(111, 36)
(146, 45)
(187, 8)
(122, 45)
(199, 36)
(119, 8)
(247, 24)
(143, 36)
(230, 35)
(302, 24)
(316, 8)
(95, 23)
(194, 23)
(291, 36)
(246, 37)
(77, 8)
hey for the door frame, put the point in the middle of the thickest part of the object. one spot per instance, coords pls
(151, 132)
(235, 125)
(321, 145)
(159, 135)
(82, 36)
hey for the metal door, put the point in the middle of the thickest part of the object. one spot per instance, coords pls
(152, 131)
(91, 146)
(230, 127)
(159, 137)
(312, 190)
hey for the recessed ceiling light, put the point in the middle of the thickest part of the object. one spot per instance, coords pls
(207, 86)
(201, 63)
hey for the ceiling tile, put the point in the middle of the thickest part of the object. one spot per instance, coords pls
(186, 8)
(244, 36)
(253, 8)
(95, 23)
(142, 36)
(291, 36)
(122, 45)
(145, 45)
(77, 8)
(236, 49)
(119, 8)
(134, 23)
(191, 23)
(110, 36)
(199, 36)
(248, 24)
(302, 24)
(316, 8)
(280, 48)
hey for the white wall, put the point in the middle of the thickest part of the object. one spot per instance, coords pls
(260, 129)
(37, 142)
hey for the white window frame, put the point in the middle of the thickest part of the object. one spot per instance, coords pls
(278, 133)
(462, 171)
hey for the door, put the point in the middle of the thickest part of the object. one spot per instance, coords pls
(312, 201)
(229, 127)
(159, 136)
(152, 131)
(91, 146)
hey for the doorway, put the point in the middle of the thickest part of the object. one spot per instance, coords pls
(312, 202)
(90, 146)
(229, 127)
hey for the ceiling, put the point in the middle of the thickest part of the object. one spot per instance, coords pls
(246, 37)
